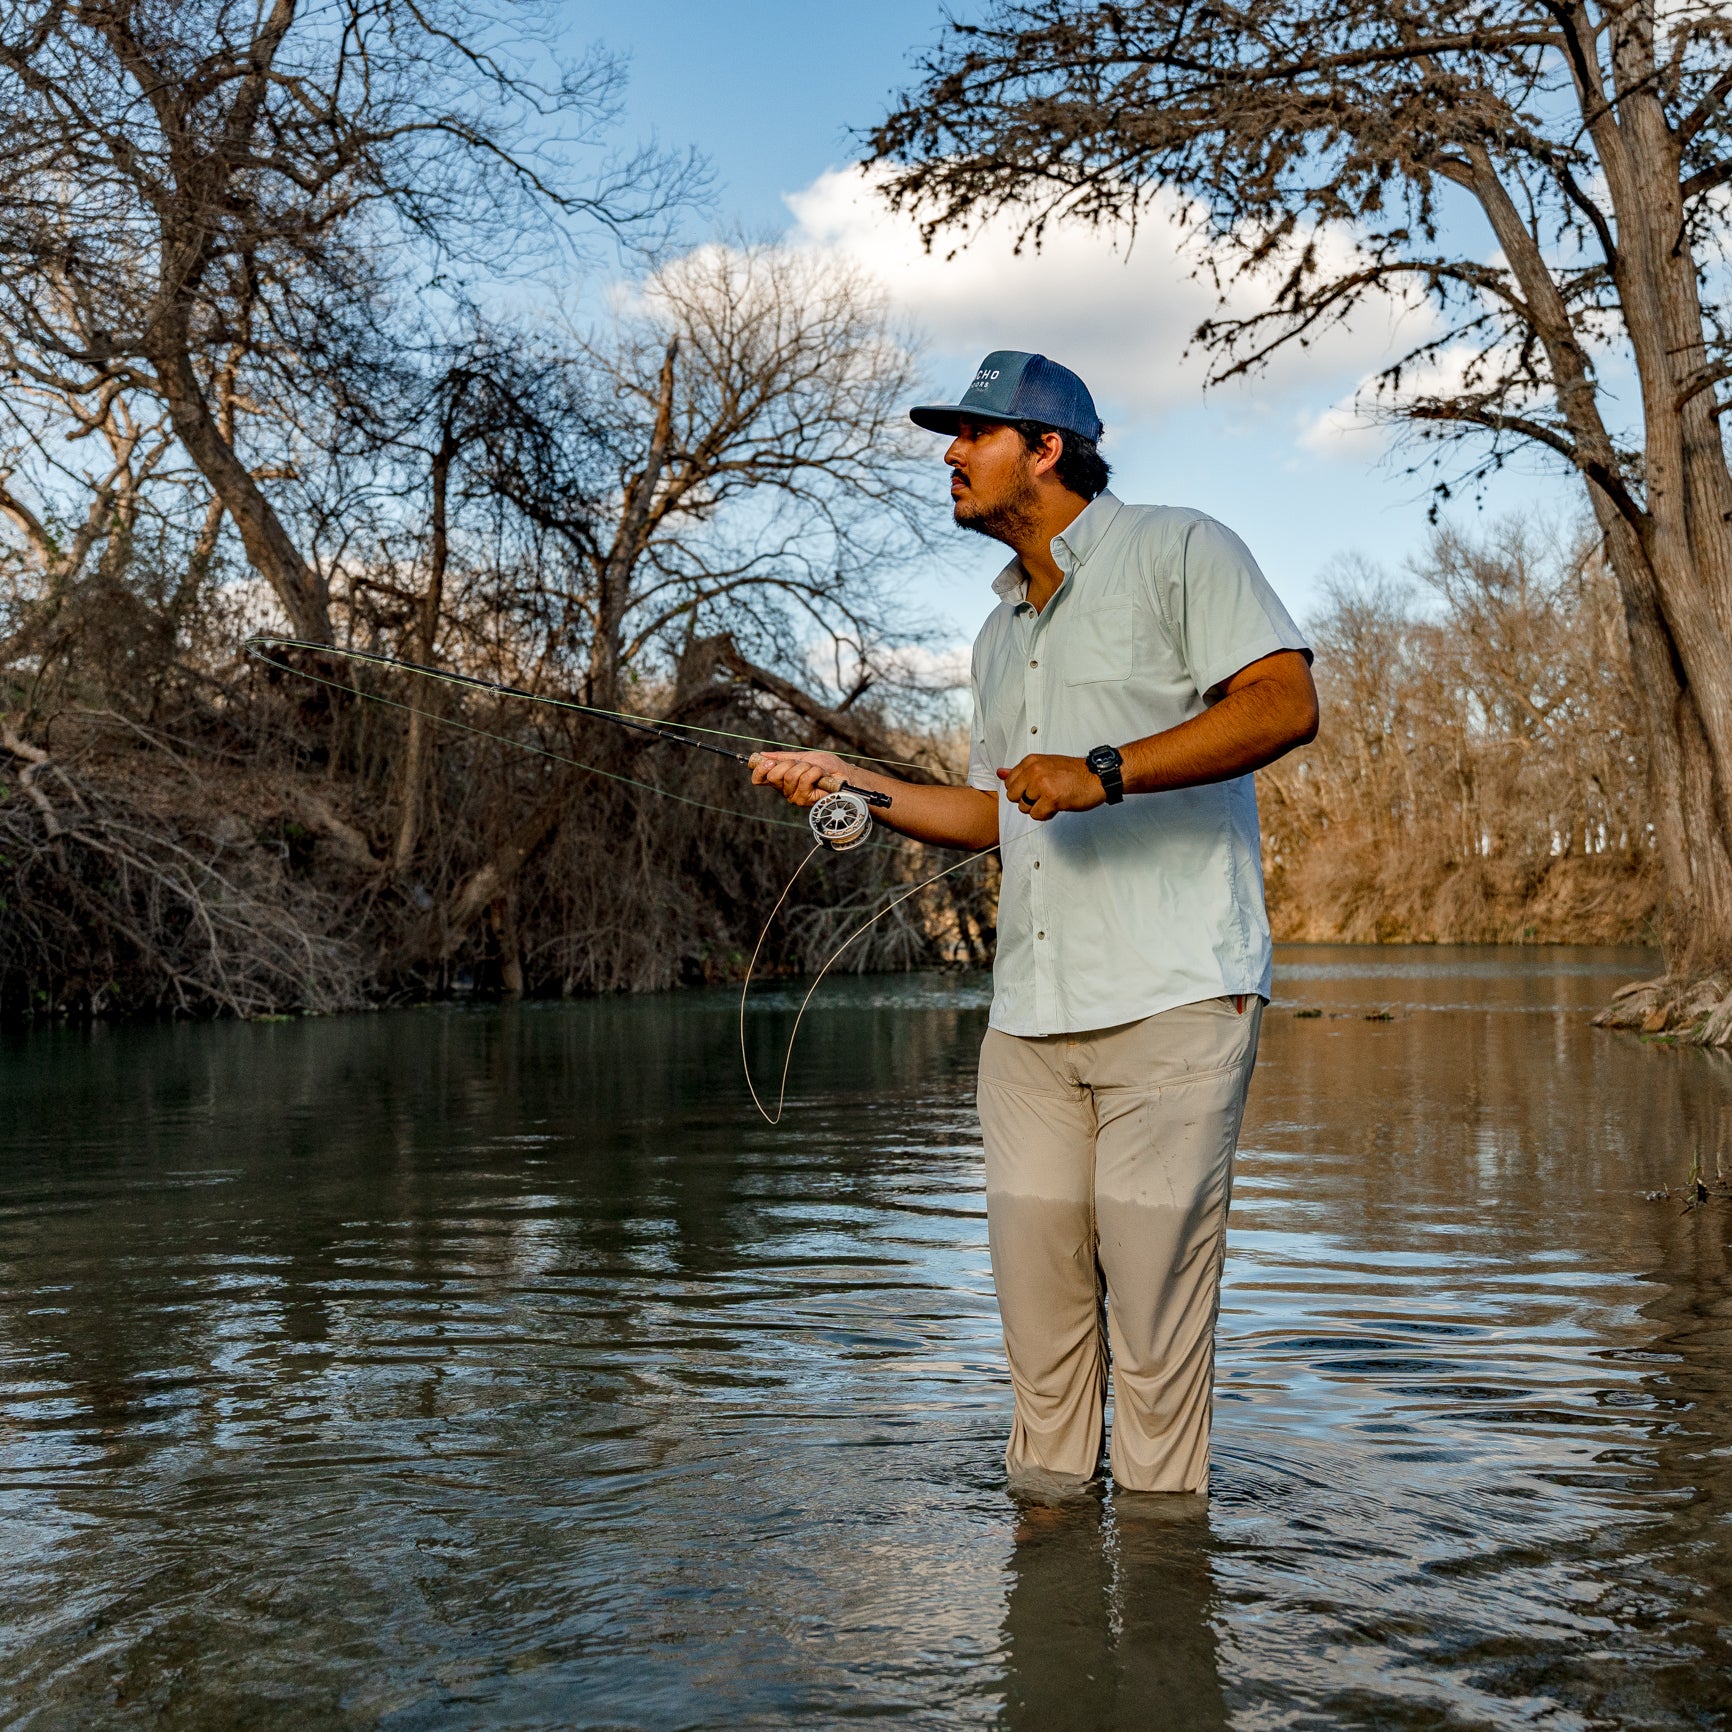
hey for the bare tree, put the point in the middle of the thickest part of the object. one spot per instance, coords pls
(1481, 777)
(1590, 140)
(201, 200)
(458, 410)
(731, 462)
(735, 453)
(82, 527)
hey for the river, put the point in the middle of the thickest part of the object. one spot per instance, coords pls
(478, 1367)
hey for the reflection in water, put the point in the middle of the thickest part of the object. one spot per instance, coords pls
(1107, 1621)
(495, 1368)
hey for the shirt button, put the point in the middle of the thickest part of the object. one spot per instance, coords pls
(1040, 935)
(1035, 730)
(1037, 865)
(1034, 664)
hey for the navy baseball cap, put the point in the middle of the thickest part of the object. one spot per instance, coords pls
(1014, 386)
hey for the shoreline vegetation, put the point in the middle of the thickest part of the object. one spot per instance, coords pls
(188, 832)
(310, 326)
(231, 856)
(1479, 776)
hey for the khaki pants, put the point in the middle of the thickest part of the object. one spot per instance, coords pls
(1109, 1165)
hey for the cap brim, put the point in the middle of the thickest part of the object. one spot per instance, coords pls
(948, 417)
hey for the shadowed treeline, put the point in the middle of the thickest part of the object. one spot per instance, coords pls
(358, 323)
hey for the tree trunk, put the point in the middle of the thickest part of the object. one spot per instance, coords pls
(496, 875)
(613, 586)
(1687, 497)
(1680, 651)
(510, 945)
(1696, 870)
(270, 551)
(419, 747)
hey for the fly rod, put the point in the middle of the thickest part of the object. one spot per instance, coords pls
(840, 819)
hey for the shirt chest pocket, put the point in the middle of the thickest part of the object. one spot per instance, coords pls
(1099, 643)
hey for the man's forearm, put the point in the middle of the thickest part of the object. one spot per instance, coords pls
(946, 817)
(1252, 725)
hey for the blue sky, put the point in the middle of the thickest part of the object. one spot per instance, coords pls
(771, 92)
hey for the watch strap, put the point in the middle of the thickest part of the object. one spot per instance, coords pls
(1108, 766)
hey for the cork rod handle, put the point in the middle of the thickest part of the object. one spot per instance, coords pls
(833, 784)
(830, 784)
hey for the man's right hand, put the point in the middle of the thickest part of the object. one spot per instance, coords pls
(795, 775)
(948, 817)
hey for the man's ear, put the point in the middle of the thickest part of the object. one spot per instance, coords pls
(1051, 449)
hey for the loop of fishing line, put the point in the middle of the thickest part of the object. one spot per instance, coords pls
(799, 1015)
(840, 819)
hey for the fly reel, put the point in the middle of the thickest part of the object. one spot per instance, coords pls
(840, 820)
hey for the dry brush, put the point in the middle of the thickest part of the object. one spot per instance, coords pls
(1481, 774)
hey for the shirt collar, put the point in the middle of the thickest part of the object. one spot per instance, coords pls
(1070, 547)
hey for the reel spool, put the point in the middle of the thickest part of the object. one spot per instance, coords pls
(840, 820)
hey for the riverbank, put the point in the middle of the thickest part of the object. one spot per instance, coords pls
(243, 867)
(244, 859)
(1347, 892)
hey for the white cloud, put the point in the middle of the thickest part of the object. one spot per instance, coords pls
(1344, 429)
(1121, 317)
(1358, 424)
(930, 669)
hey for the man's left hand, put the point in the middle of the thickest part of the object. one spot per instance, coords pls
(1045, 784)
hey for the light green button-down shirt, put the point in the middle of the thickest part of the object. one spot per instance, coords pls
(1111, 915)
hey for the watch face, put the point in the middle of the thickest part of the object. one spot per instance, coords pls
(1103, 758)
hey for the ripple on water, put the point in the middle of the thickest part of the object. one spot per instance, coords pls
(501, 1368)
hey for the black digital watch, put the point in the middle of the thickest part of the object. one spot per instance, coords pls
(1109, 766)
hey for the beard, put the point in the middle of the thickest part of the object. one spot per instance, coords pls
(1006, 519)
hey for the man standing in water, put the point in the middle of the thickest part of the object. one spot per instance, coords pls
(1137, 669)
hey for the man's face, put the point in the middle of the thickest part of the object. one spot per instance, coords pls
(992, 486)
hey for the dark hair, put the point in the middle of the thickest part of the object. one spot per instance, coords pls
(1080, 465)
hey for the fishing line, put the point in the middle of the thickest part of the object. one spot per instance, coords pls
(642, 724)
(530, 746)
(839, 820)
(799, 1015)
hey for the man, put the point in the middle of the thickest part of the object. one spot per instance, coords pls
(1137, 669)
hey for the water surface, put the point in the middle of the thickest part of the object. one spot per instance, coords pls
(500, 1368)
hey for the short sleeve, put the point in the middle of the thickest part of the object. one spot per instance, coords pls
(982, 771)
(1220, 607)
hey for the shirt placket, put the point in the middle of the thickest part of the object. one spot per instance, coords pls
(1036, 717)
